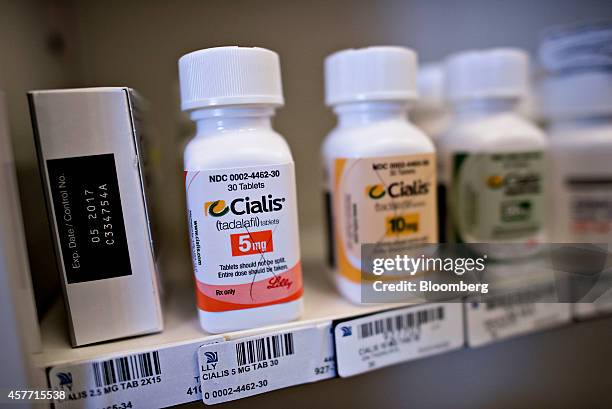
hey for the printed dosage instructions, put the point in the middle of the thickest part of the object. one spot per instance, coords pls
(249, 366)
(156, 378)
(391, 337)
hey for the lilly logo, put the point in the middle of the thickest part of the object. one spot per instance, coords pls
(65, 379)
(495, 181)
(216, 208)
(375, 191)
(211, 357)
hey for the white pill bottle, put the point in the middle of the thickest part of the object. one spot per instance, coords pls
(493, 160)
(380, 170)
(578, 106)
(241, 195)
(431, 113)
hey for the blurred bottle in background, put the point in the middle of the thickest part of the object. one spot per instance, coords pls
(577, 103)
(432, 114)
(530, 106)
(493, 159)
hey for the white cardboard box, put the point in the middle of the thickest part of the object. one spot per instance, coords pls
(91, 165)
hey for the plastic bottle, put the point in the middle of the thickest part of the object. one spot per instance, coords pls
(579, 108)
(492, 158)
(380, 169)
(431, 113)
(240, 184)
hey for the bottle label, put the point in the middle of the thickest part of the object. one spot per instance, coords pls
(498, 197)
(581, 181)
(389, 200)
(244, 236)
(589, 201)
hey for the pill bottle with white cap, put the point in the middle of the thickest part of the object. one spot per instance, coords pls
(578, 106)
(493, 159)
(380, 169)
(241, 195)
(431, 113)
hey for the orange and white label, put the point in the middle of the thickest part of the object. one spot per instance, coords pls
(244, 236)
(390, 201)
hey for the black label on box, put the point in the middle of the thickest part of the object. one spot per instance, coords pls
(89, 218)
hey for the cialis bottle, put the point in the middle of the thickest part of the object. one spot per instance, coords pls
(240, 183)
(380, 169)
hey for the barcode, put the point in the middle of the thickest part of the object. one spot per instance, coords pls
(522, 297)
(400, 322)
(261, 349)
(126, 368)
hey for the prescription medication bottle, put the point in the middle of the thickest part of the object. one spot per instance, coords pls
(240, 185)
(380, 170)
(432, 115)
(492, 158)
(578, 106)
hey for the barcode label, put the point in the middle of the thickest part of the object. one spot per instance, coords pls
(512, 314)
(400, 322)
(523, 296)
(265, 362)
(174, 379)
(390, 337)
(126, 368)
(262, 349)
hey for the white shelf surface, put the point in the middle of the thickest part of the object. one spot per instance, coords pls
(179, 344)
(321, 303)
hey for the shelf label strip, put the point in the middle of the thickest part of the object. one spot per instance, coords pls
(391, 337)
(249, 366)
(518, 313)
(154, 378)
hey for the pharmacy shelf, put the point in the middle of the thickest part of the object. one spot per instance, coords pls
(321, 303)
(178, 342)
(177, 353)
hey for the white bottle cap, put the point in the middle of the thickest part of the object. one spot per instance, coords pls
(493, 73)
(230, 76)
(430, 83)
(577, 95)
(370, 74)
